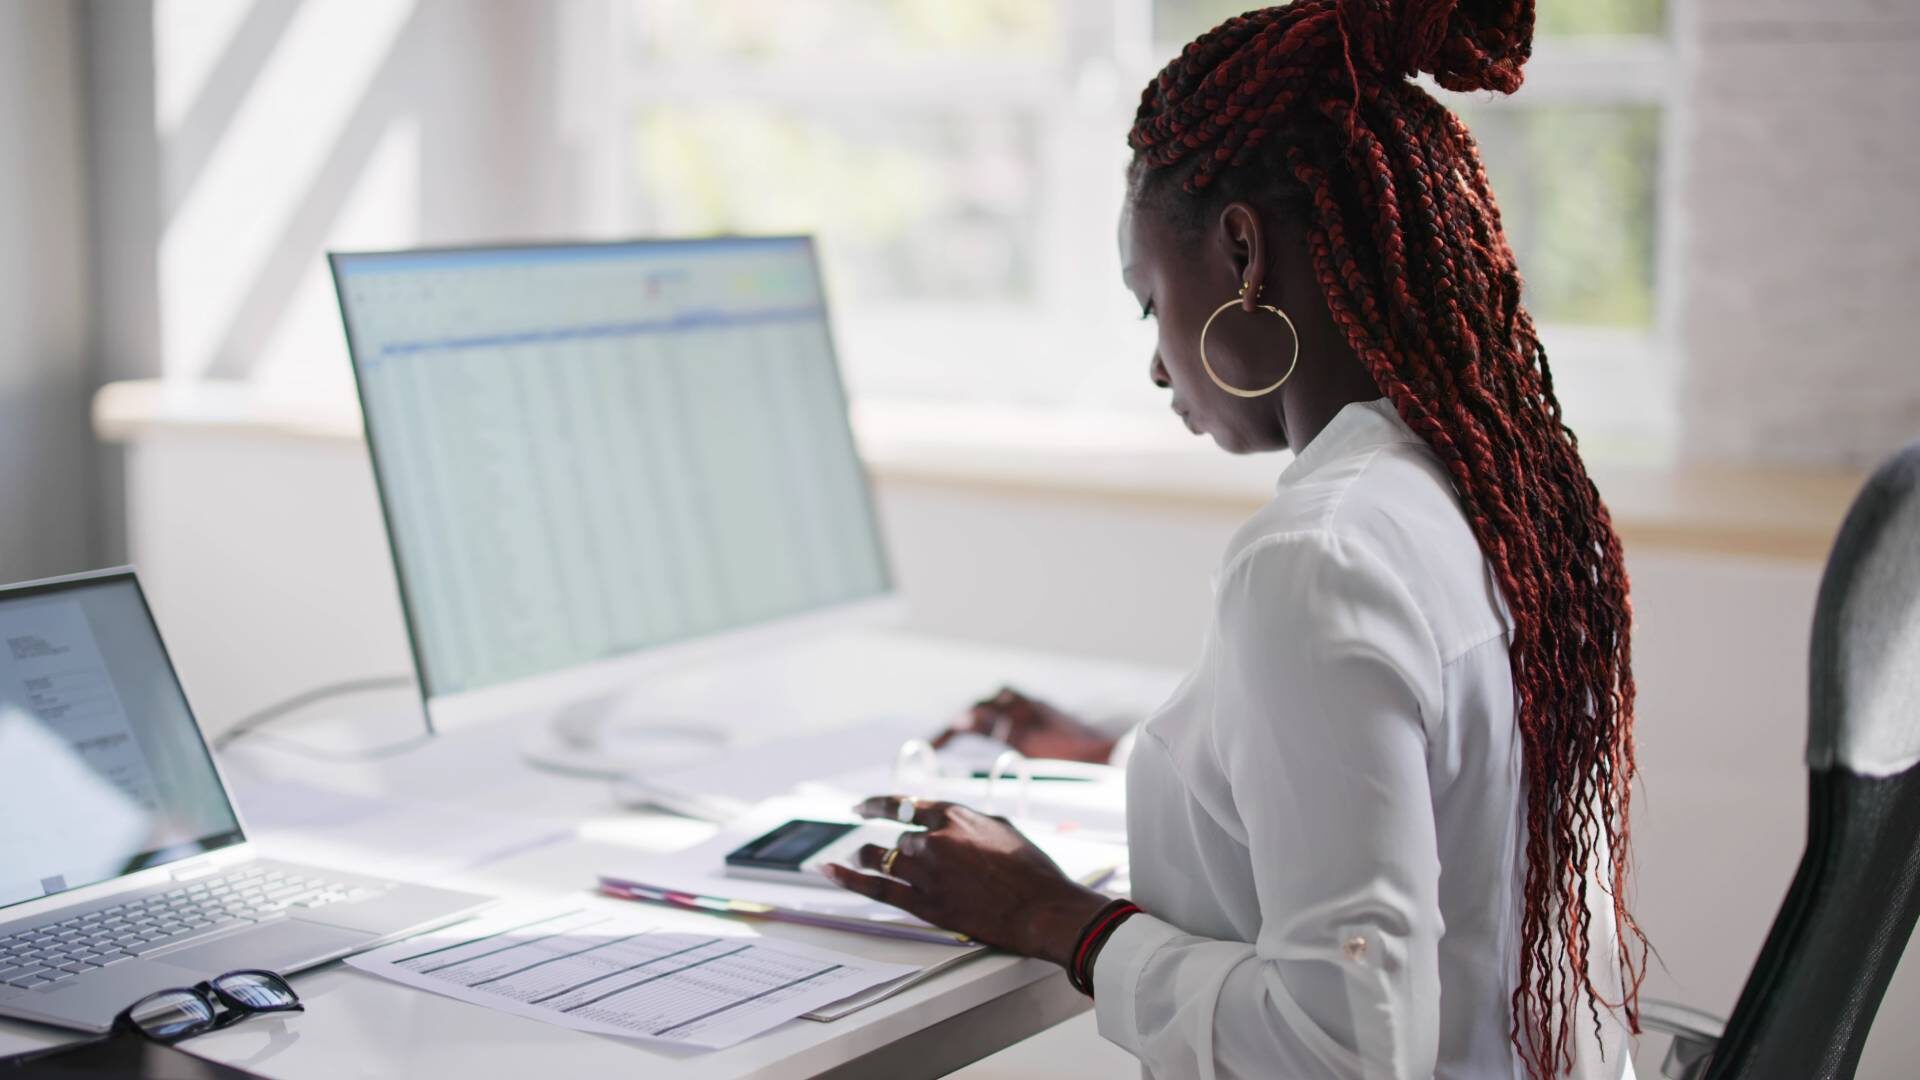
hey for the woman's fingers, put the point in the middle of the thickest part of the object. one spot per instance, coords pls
(995, 719)
(1001, 717)
(1002, 730)
(902, 863)
(873, 887)
(901, 874)
(882, 806)
(926, 813)
(970, 724)
(984, 717)
(973, 875)
(873, 857)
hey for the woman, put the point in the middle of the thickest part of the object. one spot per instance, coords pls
(1364, 829)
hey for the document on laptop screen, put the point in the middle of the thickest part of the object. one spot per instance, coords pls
(102, 768)
(58, 676)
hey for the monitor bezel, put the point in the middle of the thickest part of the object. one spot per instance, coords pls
(157, 858)
(546, 692)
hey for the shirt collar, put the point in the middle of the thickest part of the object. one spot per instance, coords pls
(1356, 428)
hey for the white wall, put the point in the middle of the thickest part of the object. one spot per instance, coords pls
(1803, 235)
(234, 143)
(45, 446)
(124, 211)
(288, 128)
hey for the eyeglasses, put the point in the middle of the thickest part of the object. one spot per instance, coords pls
(168, 1016)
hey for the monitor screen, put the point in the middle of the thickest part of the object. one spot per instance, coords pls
(102, 767)
(588, 450)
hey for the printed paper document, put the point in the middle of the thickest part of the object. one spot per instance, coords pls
(613, 973)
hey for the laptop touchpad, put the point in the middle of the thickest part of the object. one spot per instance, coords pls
(281, 946)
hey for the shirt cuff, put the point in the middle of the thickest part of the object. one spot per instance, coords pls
(1116, 977)
(1123, 748)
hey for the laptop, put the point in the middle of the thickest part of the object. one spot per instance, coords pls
(124, 868)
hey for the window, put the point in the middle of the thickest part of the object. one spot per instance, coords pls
(1580, 160)
(962, 163)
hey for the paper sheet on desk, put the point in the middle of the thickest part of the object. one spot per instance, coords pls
(697, 877)
(617, 973)
(1094, 811)
(398, 838)
(699, 874)
(732, 784)
(859, 759)
(849, 1005)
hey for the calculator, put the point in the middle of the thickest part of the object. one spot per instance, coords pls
(795, 853)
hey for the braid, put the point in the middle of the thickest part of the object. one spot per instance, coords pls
(1307, 106)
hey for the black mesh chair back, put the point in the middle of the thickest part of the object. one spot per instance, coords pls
(1810, 1001)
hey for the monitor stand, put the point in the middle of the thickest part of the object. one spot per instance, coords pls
(615, 736)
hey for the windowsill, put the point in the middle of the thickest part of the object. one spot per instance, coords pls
(1143, 461)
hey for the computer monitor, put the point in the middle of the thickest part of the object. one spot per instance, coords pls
(595, 459)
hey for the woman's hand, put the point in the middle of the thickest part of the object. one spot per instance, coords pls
(977, 875)
(1032, 727)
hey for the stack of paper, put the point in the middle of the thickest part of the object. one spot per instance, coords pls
(583, 967)
(1045, 810)
(731, 785)
(696, 878)
(846, 764)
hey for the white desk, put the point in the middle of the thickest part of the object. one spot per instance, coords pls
(358, 1025)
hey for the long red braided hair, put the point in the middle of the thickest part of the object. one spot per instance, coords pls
(1308, 107)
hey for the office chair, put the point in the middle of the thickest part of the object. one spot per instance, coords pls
(1811, 997)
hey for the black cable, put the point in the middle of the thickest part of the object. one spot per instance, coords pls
(260, 717)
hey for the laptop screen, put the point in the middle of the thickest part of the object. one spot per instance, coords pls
(102, 767)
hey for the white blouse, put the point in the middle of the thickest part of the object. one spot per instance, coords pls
(1326, 817)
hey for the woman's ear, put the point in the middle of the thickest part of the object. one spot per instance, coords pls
(1242, 239)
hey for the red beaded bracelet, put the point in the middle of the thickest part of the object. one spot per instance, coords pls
(1098, 929)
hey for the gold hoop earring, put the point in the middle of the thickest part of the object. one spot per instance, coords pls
(1221, 383)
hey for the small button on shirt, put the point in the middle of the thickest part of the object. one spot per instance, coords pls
(1326, 817)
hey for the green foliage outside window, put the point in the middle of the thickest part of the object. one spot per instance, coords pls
(1176, 22)
(1576, 183)
(1577, 191)
(942, 201)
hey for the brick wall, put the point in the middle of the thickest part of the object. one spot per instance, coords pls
(1801, 195)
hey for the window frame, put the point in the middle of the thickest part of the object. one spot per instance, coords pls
(1622, 383)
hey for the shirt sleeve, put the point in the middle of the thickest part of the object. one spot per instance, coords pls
(1327, 683)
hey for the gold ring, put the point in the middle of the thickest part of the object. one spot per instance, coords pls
(886, 861)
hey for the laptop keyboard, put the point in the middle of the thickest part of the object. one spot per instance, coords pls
(207, 905)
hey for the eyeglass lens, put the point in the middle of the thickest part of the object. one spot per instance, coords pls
(171, 1014)
(255, 989)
